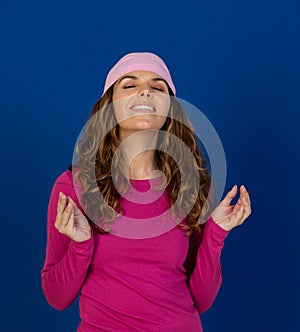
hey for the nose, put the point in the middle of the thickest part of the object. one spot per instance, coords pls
(146, 93)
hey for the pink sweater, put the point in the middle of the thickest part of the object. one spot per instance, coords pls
(156, 284)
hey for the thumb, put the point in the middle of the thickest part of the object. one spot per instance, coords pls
(229, 197)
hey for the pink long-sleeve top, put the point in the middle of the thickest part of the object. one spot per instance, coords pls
(156, 284)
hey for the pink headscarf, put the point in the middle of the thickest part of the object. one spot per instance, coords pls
(138, 61)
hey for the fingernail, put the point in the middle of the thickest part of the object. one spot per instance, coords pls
(233, 187)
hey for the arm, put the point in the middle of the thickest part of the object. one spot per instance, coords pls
(206, 278)
(67, 261)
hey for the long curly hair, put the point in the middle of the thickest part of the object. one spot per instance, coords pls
(96, 148)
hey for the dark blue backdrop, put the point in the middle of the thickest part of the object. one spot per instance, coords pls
(237, 61)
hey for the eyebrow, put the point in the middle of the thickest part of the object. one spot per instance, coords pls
(155, 79)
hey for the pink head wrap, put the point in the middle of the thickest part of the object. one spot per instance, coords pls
(138, 61)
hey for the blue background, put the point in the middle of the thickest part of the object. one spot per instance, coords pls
(237, 61)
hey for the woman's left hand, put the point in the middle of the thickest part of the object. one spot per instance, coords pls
(229, 216)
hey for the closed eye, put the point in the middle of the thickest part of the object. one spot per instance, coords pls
(133, 86)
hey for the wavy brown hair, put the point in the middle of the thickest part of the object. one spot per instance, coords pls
(96, 148)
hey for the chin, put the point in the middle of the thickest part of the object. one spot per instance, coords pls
(143, 123)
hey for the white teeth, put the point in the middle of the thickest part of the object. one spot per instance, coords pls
(143, 107)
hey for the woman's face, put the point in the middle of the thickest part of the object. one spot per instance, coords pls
(141, 101)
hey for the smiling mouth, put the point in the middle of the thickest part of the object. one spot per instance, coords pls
(143, 108)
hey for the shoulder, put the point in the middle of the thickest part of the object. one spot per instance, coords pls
(65, 183)
(64, 178)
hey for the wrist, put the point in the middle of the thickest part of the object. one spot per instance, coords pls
(218, 227)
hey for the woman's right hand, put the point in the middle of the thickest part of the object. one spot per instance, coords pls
(70, 220)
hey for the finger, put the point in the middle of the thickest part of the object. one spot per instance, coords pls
(247, 206)
(75, 207)
(70, 224)
(229, 197)
(243, 188)
(237, 207)
(246, 199)
(67, 213)
(239, 214)
(245, 193)
(247, 213)
(65, 218)
(244, 217)
(60, 208)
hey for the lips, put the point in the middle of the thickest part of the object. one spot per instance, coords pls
(144, 107)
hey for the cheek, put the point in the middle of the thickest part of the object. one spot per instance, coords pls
(161, 121)
(167, 108)
(120, 111)
(164, 106)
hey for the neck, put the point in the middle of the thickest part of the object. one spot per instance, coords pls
(143, 166)
(139, 149)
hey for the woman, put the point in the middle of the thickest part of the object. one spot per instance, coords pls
(132, 274)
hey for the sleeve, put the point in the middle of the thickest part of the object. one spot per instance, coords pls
(206, 278)
(67, 261)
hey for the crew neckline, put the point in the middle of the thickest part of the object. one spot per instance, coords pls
(146, 182)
